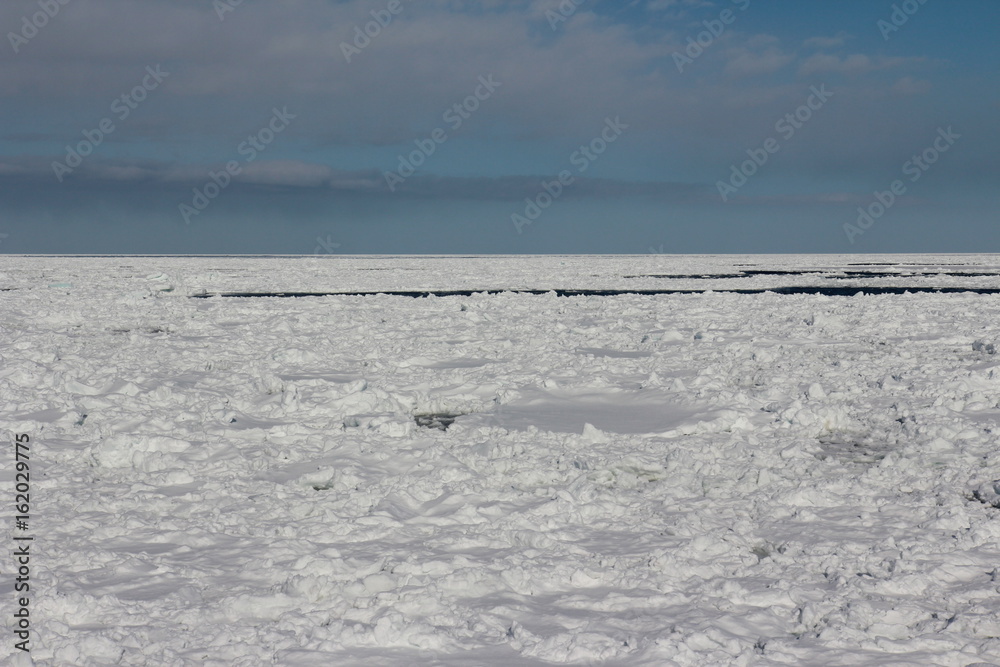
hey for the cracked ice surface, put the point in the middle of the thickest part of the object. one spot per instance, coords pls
(704, 479)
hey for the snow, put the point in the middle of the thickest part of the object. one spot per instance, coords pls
(710, 478)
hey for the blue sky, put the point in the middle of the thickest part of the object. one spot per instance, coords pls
(654, 139)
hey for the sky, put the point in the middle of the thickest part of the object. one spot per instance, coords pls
(489, 126)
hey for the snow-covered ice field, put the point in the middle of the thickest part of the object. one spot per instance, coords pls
(504, 479)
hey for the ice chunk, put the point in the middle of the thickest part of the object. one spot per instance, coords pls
(984, 347)
(988, 493)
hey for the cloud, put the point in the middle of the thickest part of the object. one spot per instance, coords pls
(662, 5)
(268, 53)
(826, 42)
(286, 172)
(911, 86)
(294, 174)
(518, 188)
(8, 169)
(557, 87)
(835, 198)
(857, 63)
(745, 62)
